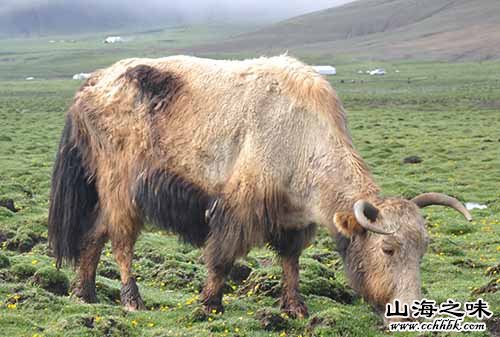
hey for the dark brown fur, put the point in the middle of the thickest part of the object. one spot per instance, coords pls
(159, 88)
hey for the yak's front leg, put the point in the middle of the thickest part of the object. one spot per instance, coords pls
(224, 245)
(219, 259)
(291, 301)
(289, 245)
(123, 250)
(211, 296)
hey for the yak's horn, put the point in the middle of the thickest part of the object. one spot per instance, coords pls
(427, 199)
(366, 215)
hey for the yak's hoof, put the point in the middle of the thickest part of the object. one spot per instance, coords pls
(212, 304)
(85, 291)
(213, 308)
(130, 297)
(295, 308)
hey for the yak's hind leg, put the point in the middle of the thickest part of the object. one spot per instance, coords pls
(289, 245)
(89, 259)
(122, 243)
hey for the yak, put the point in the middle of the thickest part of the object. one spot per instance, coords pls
(229, 155)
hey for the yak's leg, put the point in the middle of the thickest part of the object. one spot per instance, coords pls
(291, 301)
(224, 245)
(89, 259)
(289, 245)
(123, 251)
(219, 262)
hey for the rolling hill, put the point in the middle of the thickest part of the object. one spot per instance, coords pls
(52, 17)
(382, 29)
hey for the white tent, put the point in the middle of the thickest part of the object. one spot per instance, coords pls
(81, 76)
(325, 70)
(378, 71)
(113, 39)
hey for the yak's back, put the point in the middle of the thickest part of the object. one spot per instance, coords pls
(300, 82)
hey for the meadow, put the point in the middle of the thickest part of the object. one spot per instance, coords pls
(447, 114)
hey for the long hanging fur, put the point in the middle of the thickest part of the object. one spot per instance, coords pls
(172, 203)
(73, 198)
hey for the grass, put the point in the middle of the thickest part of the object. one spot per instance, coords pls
(448, 114)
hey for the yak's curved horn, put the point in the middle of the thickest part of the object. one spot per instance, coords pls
(432, 198)
(366, 214)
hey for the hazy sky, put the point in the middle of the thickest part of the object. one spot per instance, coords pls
(194, 10)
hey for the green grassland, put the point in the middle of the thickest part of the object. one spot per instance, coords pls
(446, 113)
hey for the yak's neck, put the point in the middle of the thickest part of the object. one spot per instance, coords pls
(343, 179)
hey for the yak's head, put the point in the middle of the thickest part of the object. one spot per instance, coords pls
(382, 245)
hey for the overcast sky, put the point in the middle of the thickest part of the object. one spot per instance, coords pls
(195, 10)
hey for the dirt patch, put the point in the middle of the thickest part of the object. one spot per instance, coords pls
(23, 241)
(329, 288)
(6, 276)
(262, 282)
(107, 294)
(271, 321)
(99, 326)
(112, 327)
(197, 315)
(239, 273)
(468, 263)
(4, 261)
(52, 280)
(491, 287)
(489, 104)
(493, 270)
(318, 321)
(493, 326)
(109, 271)
(4, 236)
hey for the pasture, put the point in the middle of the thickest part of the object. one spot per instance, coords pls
(448, 114)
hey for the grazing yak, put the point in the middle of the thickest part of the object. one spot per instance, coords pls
(229, 155)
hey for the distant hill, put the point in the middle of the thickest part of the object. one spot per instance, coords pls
(63, 17)
(383, 29)
(70, 17)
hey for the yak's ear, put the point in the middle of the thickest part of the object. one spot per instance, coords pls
(346, 224)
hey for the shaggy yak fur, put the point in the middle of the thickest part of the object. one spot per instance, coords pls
(229, 155)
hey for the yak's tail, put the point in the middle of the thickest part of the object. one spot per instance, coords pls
(73, 197)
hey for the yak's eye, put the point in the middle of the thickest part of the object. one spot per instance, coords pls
(388, 251)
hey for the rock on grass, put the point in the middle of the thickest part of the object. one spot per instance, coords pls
(9, 204)
(52, 280)
(412, 160)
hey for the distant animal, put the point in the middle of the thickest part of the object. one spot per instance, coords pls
(229, 155)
